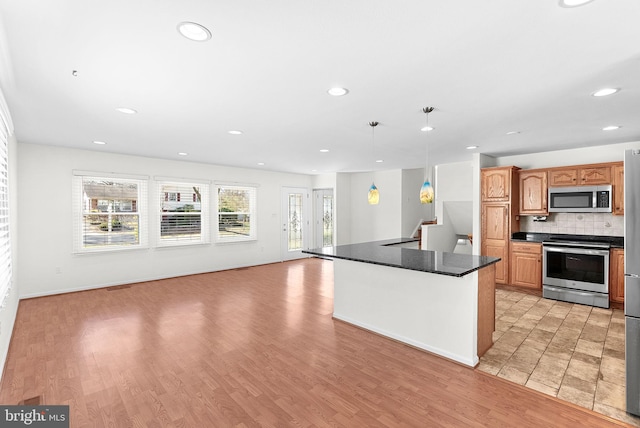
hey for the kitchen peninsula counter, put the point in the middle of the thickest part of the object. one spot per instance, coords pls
(391, 253)
(440, 302)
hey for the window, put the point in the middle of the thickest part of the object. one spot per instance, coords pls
(236, 213)
(110, 213)
(6, 129)
(184, 213)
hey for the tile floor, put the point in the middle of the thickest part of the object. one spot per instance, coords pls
(573, 352)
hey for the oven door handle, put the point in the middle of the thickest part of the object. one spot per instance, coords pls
(574, 250)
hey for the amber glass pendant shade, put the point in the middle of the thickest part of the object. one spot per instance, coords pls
(374, 195)
(426, 193)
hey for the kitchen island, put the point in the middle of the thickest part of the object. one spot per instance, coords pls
(440, 302)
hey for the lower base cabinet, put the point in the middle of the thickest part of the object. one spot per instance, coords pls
(616, 275)
(502, 267)
(526, 265)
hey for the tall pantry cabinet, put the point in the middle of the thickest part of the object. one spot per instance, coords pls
(499, 215)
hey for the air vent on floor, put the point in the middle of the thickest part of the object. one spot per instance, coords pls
(33, 401)
(118, 287)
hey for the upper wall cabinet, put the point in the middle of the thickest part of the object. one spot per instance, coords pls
(618, 189)
(563, 177)
(581, 176)
(599, 175)
(533, 192)
(496, 183)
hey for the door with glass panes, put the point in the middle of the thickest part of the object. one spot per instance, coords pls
(323, 213)
(295, 224)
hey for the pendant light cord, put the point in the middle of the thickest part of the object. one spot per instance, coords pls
(426, 111)
(373, 139)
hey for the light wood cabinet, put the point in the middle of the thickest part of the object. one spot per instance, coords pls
(580, 176)
(495, 237)
(596, 175)
(526, 265)
(616, 275)
(563, 177)
(499, 213)
(533, 192)
(496, 184)
(618, 189)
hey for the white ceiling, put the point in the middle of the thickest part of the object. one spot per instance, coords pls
(488, 67)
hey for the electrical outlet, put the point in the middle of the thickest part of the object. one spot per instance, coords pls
(58, 270)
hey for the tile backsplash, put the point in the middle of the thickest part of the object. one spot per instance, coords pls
(604, 224)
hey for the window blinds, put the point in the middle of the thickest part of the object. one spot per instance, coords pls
(6, 129)
(183, 213)
(109, 212)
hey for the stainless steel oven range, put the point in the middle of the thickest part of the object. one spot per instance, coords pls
(576, 271)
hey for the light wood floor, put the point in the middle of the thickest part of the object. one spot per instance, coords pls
(243, 348)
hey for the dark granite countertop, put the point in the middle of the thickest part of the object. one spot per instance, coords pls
(614, 241)
(387, 254)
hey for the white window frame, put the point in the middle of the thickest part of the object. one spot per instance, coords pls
(253, 220)
(80, 209)
(205, 230)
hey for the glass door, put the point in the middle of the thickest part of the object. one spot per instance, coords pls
(294, 222)
(323, 218)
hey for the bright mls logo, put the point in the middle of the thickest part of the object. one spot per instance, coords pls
(34, 416)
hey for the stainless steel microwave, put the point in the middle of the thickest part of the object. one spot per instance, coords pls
(580, 199)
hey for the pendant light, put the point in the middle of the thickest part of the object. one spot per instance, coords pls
(426, 192)
(374, 195)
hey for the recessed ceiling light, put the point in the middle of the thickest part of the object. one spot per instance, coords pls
(513, 132)
(261, 163)
(126, 110)
(182, 154)
(193, 31)
(611, 128)
(235, 132)
(427, 128)
(324, 150)
(379, 161)
(338, 92)
(101, 143)
(605, 91)
(471, 147)
(314, 170)
(573, 3)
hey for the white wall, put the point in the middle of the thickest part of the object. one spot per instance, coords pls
(342, 224)
(45, 227)
(412, 210)
(586, 155)
(441, 236)
(453, 183)
(376, 222)
(324, 181)
(8, 312)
